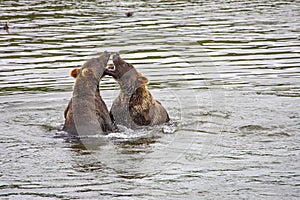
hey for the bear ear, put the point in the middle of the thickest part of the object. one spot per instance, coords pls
(74, 72)
(142, 79)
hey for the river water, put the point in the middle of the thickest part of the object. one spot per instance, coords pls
(228, 72)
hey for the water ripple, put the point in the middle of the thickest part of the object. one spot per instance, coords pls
(227, 72)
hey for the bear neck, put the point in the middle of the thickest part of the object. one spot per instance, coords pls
(86, 85)
(84, 106)
(129, 83)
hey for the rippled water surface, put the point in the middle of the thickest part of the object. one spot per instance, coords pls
(228, 72)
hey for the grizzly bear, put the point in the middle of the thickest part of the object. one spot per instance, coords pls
(135, 106)
(86, 113)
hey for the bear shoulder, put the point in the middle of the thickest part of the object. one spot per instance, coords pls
(142, 80)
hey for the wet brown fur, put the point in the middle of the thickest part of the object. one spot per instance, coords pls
(85, 87)
(101, 112)
(135, 105)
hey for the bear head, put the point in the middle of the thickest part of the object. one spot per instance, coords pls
(94, 68)
(121, 70)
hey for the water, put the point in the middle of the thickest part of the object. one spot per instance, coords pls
(227, 72)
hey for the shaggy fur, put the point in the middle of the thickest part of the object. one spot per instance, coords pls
(135, 106)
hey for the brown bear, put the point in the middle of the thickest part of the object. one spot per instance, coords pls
(86, 113)
(135, 105)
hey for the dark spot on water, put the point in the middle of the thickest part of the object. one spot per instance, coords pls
(129, 14)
